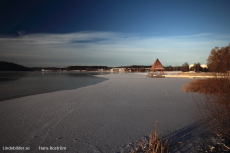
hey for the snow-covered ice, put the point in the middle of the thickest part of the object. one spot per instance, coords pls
(106, 117)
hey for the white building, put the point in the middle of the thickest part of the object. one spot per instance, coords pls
(202, 65)
(117, 70)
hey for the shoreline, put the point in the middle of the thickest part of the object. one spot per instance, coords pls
(185, 75)
(16, 85)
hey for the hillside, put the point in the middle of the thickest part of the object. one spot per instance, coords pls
(6, 66)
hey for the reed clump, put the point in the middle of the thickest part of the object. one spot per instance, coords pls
(214, 108)
(203, 86)
(153, 145)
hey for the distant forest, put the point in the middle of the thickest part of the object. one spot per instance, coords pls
(6, 66)
(87, 68)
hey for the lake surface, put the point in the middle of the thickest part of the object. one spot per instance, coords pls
(20, 84)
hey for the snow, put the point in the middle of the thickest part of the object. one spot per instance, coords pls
(106, 117)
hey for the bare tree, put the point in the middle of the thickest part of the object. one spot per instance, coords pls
(196, 67)
(219, 59)
(185, 67)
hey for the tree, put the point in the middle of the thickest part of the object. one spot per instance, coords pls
(176, 68)
(219, 59)
(196, 67)
(185, 67)
(168, 68)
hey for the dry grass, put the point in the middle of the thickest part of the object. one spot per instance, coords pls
(218, 85)
(214, 108)
(154, 144)
(204, 86)
(214, 114)
(195, 74)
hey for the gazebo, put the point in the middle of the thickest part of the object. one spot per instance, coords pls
(157, 67)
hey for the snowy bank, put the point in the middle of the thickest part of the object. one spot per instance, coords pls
(105, 117)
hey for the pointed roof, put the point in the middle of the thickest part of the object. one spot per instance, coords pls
(157, 66)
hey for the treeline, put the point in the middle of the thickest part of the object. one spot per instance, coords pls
(87, 68)
(48, 68)
(184, 68)
(6, 66)
(218, 61)
(135, 66)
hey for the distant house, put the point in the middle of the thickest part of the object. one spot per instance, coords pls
(204, 66)
(117, 70)
(157, 66)
(43, 70)
(111, 70)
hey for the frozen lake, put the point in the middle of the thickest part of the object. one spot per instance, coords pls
(20, 84)
(104, 117)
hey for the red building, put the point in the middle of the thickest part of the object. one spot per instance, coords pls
(157, 67)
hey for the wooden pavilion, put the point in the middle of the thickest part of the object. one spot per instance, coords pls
(157, 67)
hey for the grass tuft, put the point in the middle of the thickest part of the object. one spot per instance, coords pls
(154, 144)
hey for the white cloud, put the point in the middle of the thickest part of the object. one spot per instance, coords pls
(107, 48)
(55, 39)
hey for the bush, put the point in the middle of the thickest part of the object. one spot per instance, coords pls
(214, 108)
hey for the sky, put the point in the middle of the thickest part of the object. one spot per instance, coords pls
(60, 33)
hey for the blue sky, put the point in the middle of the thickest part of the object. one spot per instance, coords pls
(112, 33)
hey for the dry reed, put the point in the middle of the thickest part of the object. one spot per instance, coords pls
(214, 108)
(154, 144)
